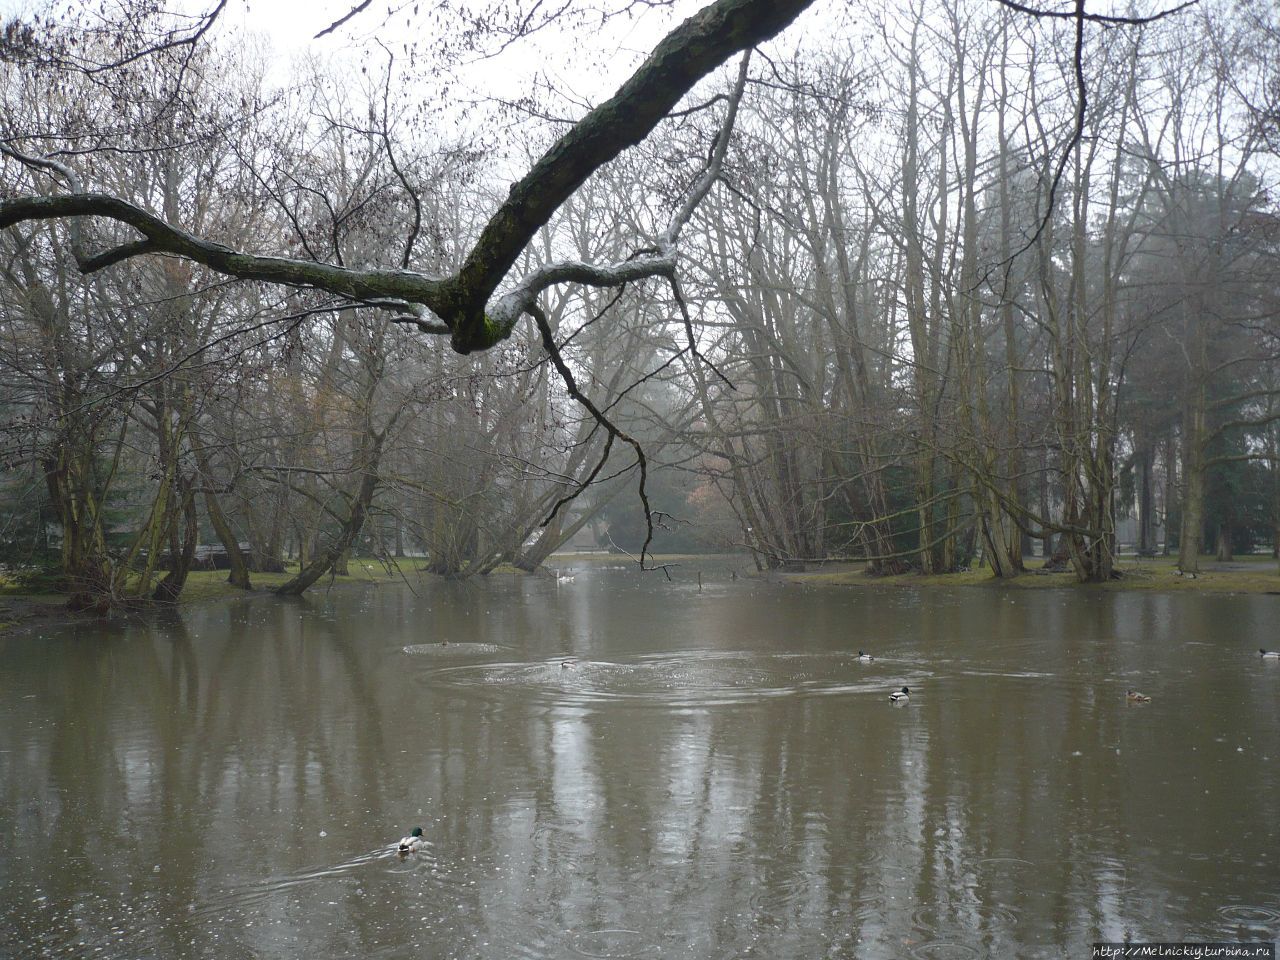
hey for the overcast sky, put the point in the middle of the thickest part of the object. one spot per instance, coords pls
(586, 64)
(590, 67)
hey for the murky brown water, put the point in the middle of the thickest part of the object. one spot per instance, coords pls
(714, 776)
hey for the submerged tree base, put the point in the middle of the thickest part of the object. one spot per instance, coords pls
(21, 605)
(25, 608)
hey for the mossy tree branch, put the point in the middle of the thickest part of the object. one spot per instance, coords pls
(461, 302)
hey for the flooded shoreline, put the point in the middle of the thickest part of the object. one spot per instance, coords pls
(594, 755)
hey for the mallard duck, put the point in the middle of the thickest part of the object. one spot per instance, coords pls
(413, 842)
(864, 657)
(1133, 696)
(900, 696)
(1269, 654)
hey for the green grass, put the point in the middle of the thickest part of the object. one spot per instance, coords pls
(9, 589)
(205, 585)
(1252, 574)
(1247, 574)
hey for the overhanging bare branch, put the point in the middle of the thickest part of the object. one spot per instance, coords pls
(686, 55)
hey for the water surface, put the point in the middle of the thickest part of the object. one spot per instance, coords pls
(621, 766)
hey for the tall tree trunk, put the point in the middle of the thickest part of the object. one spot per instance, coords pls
(1225, 551)
(1170, 489)
(86, 567)
(182, 551)
(1194, 440)
(1144, 471)
(1018, 540)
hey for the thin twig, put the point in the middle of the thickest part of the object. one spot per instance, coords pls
(571, 384)
(1080, 15)
(359, 8)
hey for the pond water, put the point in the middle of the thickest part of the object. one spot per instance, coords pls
(712, 775)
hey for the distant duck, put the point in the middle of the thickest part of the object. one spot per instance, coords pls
(900, 696)
(1269, 654)
(864, 657)
(413, 842)
(1133, 696)
(566, 664)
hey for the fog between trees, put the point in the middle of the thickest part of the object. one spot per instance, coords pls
(890, 291)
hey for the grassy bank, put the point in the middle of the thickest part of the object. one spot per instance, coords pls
(1253, 574)
(212, 584)
(20, 603)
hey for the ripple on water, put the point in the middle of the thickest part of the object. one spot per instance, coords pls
(1247, 915)
(931, 919)
(245, 898)
(451, 651)
(695, 679)
(614, 942)
(943, 950)
(1009, 867)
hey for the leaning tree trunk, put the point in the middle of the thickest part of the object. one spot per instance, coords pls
(326, 558)
(556, 534)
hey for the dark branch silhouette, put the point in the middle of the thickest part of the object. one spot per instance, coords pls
(461, 303)
(354, 11)
(1080, 16)
(1106, 19)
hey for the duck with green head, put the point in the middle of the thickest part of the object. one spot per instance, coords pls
(412, 843)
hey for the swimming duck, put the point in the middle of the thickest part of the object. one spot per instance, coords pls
(864, 657)
(900, 696)
(566, 664)
(413, 842)
(1269, 654)
(1133, 696)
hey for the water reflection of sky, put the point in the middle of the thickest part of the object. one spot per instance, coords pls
(714, 776)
